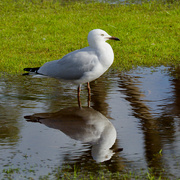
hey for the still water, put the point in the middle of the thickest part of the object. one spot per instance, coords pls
(133, 124)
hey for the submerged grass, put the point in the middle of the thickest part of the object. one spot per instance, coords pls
(59, 174)
(34, 32)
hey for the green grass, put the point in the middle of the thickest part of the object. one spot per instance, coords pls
(59, 174)
(88, 170)
(34, 32)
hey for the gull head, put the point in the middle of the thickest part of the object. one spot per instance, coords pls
(97, 36)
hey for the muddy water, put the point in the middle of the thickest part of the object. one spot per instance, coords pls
(133, 124)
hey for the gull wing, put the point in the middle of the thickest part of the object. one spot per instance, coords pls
(72, 66)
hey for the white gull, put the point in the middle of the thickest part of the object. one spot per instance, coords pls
(83, 65)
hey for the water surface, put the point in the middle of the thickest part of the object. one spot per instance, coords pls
(135, 112)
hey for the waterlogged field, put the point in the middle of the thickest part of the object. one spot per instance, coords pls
(139, 108)
(57, 140)
(34, 32)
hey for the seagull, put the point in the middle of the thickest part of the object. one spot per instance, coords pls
(83, 65)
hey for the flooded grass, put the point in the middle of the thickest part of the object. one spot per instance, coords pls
(34, 32)
(145, 115)
(75, 174)
(59, 174)
(50, 146)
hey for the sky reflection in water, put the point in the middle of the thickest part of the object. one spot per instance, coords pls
(141, 106)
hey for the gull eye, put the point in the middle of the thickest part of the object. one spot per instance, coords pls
(102, 34)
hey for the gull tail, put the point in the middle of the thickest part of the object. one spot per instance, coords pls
(31, 71)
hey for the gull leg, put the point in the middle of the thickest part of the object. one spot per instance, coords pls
(78, 96)
(89, 94)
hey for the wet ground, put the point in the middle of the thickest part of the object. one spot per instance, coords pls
(136, 112)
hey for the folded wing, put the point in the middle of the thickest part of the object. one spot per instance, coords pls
(72, 66)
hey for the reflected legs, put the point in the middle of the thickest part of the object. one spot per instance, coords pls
(78, 96)
(89, 94)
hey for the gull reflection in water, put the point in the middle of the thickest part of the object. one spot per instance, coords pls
(83, 124)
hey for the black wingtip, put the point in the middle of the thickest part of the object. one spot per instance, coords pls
(25, 74)
(26, 69)
(31, 69)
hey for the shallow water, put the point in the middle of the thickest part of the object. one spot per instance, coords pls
(138, 112)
